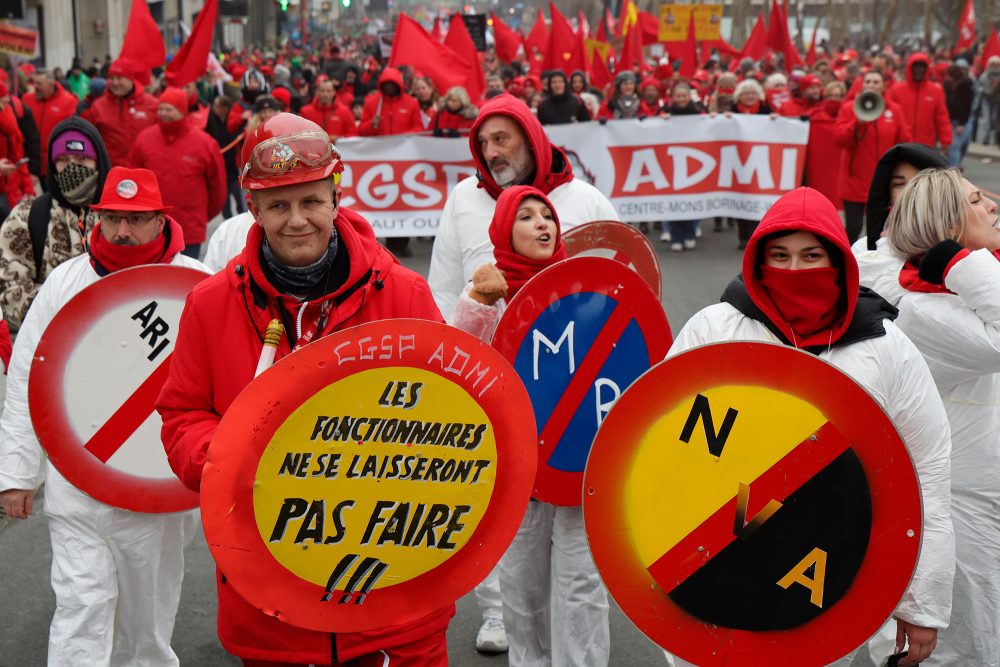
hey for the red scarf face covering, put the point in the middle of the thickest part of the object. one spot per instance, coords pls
(117, 257)
(807, 299)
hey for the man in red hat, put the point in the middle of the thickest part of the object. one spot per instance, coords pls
(809, 97)
(122, 112)
(316, 267)
(187, 164)
(116, 574)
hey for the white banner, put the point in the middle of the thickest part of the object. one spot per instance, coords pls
(683, 168)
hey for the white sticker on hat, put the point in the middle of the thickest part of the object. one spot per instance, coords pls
(127, 189)
(74, 145)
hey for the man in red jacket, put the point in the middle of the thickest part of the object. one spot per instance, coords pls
(923, 104)
(122, 112)
(188, 165)
(390, 111)
(327, 112)
(50, 104)
(318, 268)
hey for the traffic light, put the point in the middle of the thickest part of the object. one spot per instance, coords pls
(283, 4)
(345, 3)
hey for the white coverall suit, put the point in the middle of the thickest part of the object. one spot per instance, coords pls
(959, 337)
(116, 574)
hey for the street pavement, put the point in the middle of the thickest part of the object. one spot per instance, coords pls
(691, 281)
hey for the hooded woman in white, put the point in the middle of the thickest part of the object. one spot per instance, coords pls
(944, 231)
(800, 287)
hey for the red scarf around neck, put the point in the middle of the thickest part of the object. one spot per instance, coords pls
(160, 250)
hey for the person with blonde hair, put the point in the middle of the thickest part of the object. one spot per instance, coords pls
(457, 113)
(945, 230)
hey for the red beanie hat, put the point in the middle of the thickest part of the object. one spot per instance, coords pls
(283, 96)
(176, 98)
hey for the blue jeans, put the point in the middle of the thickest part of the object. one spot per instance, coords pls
(959, 143)
(682, 230)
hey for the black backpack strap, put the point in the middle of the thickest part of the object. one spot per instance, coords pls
(38, 228)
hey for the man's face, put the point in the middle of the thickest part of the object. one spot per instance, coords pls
(119, 85)
(505, 150)
(650, 94)
(919, 71)
(813, 92)
(43, 86)
(390, 89)
(131, 227)
(253, 83)
(325, 93)
(873, 83)
(168, 113)
(297, 220)
(557, 85)
(494, 85)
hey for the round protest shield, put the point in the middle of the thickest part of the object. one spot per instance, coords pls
(371, 477)
(578, 334)
(98, 368)
(618, 241)
(748, 503)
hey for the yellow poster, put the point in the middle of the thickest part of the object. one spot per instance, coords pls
(675, 19)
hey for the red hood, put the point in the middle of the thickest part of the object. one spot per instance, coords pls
(918, 57)
(803, 209)
(391, 75)
(517, 268)
(547, 157)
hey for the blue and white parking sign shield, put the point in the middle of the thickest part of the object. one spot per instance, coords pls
(578, 334)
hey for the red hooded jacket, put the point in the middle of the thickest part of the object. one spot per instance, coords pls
(335, 118)
(864, 144)
(49, 112)
(208, 370)
(806, 210)
(121, 119)
(923, 105)
(399, 114)
(822, 152)
(190, 171)
(552, 167)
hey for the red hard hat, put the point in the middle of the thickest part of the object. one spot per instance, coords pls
(286, 150)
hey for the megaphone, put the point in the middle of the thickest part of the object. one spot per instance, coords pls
(868, 106)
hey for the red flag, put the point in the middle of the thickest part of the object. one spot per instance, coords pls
(508, 41)
(991, 48)
(436, 30)
(631, 56)
(811, 55)
(538, 38)
(649, 26)
(779, 39)
(191, 60)
(600, 75)
(966, 28)
(413, 46)
(143, 44)
(561, 52)
(582, 24)
(609, 18)
(756, 45)
(687, 51)
(459, 41)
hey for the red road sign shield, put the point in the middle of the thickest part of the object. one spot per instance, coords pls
(578, 334)
(98, 369)
(748, 503)
(618, 241)
(370, 478)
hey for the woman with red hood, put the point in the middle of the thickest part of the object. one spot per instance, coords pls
(555, 607)
(800, 288)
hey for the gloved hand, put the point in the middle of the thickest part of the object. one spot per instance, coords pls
(488, 285)
(933, 264)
